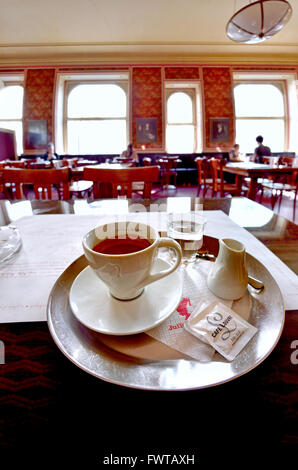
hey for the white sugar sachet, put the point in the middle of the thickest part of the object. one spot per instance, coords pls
(220, 327)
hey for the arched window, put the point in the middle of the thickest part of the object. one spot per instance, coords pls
(96, 118)
(11, 111)
(180, 108)
(182, 120)
(260, 110)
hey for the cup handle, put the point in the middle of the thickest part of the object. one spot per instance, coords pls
(165, 243)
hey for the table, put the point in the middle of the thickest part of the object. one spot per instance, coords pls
(51, 406)
(255, 171)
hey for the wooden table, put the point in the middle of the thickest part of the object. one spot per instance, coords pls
(52, 411)
(255, 171)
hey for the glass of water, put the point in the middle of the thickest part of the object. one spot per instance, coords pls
(187, 229)
(10, 242)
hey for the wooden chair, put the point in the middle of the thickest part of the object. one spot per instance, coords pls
(278, 186)
(168, 167)
(121, 179)
(16, 164)
(42, 181)
(147, 161)
(2, 185)
(78, 188)
(29, 163)
(216, 203)
(218, 183)
(286, 161)
(205, 180)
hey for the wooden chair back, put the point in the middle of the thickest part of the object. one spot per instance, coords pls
(1, 178)
(216, 203)
(60, 163)
(287, 161)
(204, 175)
(122, 178)
(216, 167)
(15, 164)
(42, 181)
(147, 161)
(30, 162)
(202, 167)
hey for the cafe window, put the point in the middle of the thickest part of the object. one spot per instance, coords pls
(260, 109)
(182, 119)
(95, 118)
(11, 110)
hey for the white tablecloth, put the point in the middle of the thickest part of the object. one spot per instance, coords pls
(52, 242)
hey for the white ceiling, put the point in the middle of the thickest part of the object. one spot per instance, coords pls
(60, 31)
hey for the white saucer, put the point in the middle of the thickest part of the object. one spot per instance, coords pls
(94, 307)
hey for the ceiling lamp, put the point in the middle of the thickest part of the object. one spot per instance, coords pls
(258, 21)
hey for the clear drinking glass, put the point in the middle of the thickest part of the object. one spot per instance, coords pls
(187, 229)
(10, 242)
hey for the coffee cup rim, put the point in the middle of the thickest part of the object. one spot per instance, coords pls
(123, 254)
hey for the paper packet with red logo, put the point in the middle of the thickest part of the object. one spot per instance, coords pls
(220, 327)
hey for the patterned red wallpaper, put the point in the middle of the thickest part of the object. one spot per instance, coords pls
(147, 101)
(38, 100)
(146, 96)
(182, 73)
(218, 101)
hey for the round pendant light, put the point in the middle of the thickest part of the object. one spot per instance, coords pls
(258, 21)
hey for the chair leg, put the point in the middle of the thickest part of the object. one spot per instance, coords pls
(280, 198)
(274, 198)
(294, 205)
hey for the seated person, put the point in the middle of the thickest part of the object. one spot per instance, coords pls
(234, 155)
(130, 153)
(50, 154)
(261, 151)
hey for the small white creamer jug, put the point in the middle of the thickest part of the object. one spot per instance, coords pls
(228, 276)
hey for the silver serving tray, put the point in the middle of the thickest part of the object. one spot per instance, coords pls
(141, 362)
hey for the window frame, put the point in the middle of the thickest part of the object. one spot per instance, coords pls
(15, 80)
(70, 84)
(281, 85)
(192, 89)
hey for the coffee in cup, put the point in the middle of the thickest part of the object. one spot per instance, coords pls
(122, 255)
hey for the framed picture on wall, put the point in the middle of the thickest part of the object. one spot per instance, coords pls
(146, 130)
(37, 134)
(219, 129)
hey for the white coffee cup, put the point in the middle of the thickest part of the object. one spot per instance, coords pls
(127, 274)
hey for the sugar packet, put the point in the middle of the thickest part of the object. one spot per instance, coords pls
(221, 327)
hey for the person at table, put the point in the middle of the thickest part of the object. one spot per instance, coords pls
(50, 154)
(261, 151)
(234, 154)
(130, 153)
